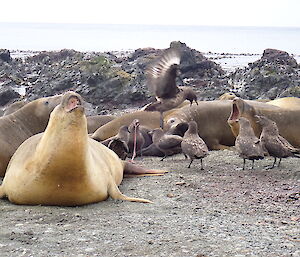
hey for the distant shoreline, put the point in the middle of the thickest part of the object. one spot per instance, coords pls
(228, 61)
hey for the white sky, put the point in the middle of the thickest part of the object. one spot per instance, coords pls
(177, 12)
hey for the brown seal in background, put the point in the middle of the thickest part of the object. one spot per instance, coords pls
(211, 118)
(16, 127)
(96, 121)
(286, 118)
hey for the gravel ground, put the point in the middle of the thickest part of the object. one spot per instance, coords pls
(221, 211)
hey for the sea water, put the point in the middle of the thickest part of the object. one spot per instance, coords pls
(97, 37)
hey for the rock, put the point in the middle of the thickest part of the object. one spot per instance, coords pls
(6, 95)
(296, 254)
(279, 57)
(276, 74)
(106, 80)
(5, 55)
(114, 80)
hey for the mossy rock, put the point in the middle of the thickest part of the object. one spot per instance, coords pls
(292, 91)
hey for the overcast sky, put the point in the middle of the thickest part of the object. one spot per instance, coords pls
(168, 12)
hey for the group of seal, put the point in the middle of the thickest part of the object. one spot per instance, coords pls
(63, 166)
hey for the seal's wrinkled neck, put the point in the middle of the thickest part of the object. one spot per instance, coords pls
(65, 135)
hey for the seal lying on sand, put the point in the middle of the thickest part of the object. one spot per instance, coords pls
(63, 166)
(29, 120)
(211, 118)
(14, 107)
(96, 121)
(287, 120)
(227, 96)
(161, 79)
(147, 119)
(291, 103)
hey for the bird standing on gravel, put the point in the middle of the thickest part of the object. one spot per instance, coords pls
(193, 145)
(247, 144)
(166, 143)
(161, 79)
(119, 142)
(273, 143)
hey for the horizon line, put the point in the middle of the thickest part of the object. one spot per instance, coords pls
(146, 24)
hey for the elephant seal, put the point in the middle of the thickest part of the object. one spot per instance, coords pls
(287, 120)
(227, 96)
(96, 121)
(211, 118)
(147, 119)
(291, 103)
(63, 166)
(29, 120)
(14, 107)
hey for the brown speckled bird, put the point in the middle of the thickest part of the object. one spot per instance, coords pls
(119, 143)
(166, 143)
(247, 144)
(193, 145)
(161, 79)
(273, 143)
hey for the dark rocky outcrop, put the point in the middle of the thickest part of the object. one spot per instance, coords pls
(5, 55)
(276, 74)
(116, 80)
(6, 95)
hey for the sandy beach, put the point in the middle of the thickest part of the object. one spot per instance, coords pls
(221, 211)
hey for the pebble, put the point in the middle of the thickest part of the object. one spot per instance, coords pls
(89, 250)
(296, 254)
